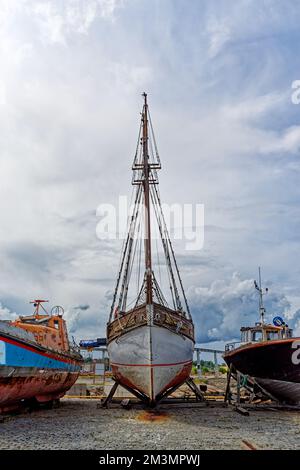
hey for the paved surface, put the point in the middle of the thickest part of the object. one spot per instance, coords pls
(79, 424)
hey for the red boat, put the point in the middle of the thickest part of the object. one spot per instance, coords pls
(37, 361)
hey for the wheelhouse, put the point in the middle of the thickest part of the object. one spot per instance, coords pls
(264, 332)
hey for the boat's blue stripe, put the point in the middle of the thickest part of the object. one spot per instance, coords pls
(13, 355)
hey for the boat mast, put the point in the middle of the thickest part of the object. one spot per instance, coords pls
(145, 165)
(261, 303)
(148, 260)
(258, 287)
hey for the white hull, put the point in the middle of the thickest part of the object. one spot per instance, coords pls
(151, 359)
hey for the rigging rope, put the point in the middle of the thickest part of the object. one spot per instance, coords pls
(130, 243)
(131, 262)
(138, 195)
(177, 302)
(172, 252)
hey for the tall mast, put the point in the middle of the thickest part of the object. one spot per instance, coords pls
(258, 287)
(148, 260)
(145, 165)
(261, 302)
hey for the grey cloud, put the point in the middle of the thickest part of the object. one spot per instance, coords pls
(222, 308)
(82, 307)
(37, 257)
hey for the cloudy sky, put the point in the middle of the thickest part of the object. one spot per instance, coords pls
(219, 76)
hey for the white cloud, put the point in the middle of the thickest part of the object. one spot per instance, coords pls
(254, 108)
(72, 317)
(283, 142)
(56, 21)
(219, 34)
(296, 325)
(6, 313)
(50, 22)
(108, 7)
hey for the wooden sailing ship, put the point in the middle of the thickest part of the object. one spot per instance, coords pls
(269, 355)
(150, 344)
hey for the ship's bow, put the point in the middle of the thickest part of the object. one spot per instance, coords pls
(151, 356)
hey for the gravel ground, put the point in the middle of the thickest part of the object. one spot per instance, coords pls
(79, 424)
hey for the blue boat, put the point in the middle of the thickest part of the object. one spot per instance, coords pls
(37, 361)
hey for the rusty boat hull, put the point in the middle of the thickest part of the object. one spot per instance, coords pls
(154, 357)
(30, 371)
(274, 366)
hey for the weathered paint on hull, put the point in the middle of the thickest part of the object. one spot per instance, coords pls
(18, 384)
(275, 365)
(29, 371)
(282, 390)
(151, 359)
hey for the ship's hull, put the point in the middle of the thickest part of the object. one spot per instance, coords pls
(29, 371)
(274, 365)
(151, 359)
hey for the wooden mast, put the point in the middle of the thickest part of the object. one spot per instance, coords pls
(148, 260)
(145, 165)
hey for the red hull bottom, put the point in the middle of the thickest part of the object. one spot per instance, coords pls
(42, 385)
(122, 375)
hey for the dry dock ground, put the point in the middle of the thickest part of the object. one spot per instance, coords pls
(79, 424)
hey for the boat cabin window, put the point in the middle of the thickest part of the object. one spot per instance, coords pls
(287, 333)
(244, 336)
(257, 335)
(272, 335)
